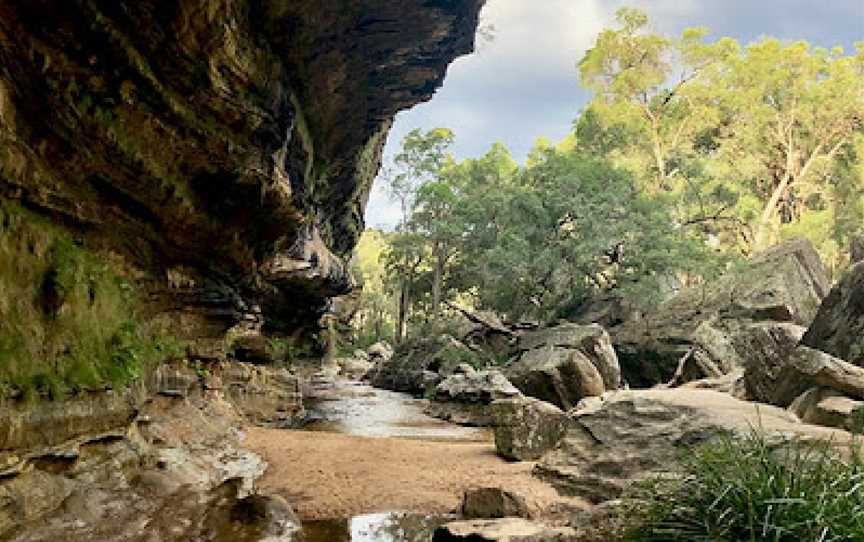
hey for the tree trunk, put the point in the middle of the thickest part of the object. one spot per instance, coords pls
(769, 211)
(402, 324)
(437, 278)
(856, 250)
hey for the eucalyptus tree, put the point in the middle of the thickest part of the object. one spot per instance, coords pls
(748, 140)
(417, 166)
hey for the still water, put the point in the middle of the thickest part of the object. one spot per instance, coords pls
(391, 527)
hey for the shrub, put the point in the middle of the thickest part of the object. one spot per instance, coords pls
(753, 490)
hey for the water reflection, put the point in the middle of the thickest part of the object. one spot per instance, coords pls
(389, 527)
(356, 408)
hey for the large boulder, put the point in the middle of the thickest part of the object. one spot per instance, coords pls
(526, 428)
(807, 367)
(501, 530)
(474, 387)
(564, 364)
(839, 326)
(783, 284)
(635, 434)
(465, 396)
(765, 349)
(420, 363)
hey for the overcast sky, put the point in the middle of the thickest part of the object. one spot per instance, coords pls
(523, 84)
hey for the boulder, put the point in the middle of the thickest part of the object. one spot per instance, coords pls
(824, 406)
(493, 503)
(783, 284)
(838, 328)
(465, 396)
(380, 351)
(635, 434)
(354, 368)
(560, 377)
(765, 349)
(360, 354)
(564, 364)
(501, 530)
(419, 363)
(476, 387)
(807, 367)
(591, 340)
(526, 428)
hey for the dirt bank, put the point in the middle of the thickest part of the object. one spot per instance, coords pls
(329, 475)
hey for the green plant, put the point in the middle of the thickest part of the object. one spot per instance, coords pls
(287, 349)
(750, 489)
(67, 316)
(200, 370)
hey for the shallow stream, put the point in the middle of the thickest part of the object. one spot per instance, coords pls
(355, 408)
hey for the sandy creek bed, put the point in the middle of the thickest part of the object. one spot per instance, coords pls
(371, 451)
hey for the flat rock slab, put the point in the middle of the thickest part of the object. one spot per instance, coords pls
(632, 435)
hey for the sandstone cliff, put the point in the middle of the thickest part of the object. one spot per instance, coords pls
(224, 148)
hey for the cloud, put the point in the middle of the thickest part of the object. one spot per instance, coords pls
(523, 84)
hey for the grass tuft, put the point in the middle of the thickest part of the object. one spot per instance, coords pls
(750, 489)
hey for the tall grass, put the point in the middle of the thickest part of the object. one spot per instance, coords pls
(748, 489)
(67, 319)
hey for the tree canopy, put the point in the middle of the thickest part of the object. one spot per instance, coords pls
(691, 153)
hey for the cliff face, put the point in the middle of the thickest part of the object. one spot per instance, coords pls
(224, 148)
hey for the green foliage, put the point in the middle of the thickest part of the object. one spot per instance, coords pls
(752, 490)
(67, 321)
(750, 141)
(537, 240)
(287, 349)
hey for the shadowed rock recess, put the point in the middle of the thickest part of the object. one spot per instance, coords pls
(226, 148)
(180, 181)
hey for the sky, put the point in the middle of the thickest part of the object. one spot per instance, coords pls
(523, 84)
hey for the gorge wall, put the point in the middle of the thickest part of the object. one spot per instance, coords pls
(222, 149)
(177, 177)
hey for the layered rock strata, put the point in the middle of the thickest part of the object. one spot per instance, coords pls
(225, 148)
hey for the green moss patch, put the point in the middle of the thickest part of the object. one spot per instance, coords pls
(67, 316)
